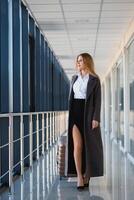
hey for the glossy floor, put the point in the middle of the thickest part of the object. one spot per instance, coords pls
(42, 182)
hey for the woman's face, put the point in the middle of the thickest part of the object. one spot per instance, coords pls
(80, 63)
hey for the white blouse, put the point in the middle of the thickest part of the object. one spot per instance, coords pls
(80, 86)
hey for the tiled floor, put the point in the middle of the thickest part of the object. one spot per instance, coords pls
(66, 189)
(42, 182)
(37, 182)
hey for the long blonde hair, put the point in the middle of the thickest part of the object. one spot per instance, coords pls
(89, 63)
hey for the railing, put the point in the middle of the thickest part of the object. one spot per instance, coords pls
(49, 126)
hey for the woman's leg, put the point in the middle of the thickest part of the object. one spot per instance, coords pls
(78, 144)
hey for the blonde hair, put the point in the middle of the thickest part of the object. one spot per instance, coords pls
(88, 61)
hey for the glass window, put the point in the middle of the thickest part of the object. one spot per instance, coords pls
(119, 103)
(131, 90)
(109, 102)
(116, 117)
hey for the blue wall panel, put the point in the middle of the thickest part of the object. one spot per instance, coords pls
(16, 56)
(42, 77)
(4, 88)
(32, 64)
(34, 136)
(16, 79)
(51, 80)
(45, 76)
(25, 71)
(37, 70)
(16, 146)
(25, 76)
(26, 140)
(32, 34)
(4, 152)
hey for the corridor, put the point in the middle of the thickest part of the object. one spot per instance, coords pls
(40, 43)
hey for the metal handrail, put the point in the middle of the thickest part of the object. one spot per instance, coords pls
(28, 113)
(53, 124)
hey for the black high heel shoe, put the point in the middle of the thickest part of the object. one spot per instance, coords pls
(80, 188)
(86, 184)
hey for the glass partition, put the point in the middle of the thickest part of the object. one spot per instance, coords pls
(131, 91)
(109, 103)
(116, 97)
(119, 102)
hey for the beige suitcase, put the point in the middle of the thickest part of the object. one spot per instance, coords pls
(61, 153)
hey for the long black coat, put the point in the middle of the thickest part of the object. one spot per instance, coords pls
(92, 164)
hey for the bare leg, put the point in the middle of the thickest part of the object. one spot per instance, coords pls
(86, 179)
(77, 140)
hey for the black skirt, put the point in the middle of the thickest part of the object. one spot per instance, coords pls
(78, 119)
(78, 114)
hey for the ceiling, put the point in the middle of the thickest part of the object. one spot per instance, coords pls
(76, 26)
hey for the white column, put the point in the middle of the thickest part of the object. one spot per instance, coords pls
(113, 104)
(22, 145)
(10, 55)
(21, 83)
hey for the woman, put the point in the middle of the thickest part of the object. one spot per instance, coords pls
(85, 151)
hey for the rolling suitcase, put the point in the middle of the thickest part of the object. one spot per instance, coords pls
(61, 154)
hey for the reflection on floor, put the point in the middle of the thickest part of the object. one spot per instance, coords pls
(66, 189)
(42, 182)
(37, 181)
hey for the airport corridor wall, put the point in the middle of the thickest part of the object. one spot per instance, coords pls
(31, 78)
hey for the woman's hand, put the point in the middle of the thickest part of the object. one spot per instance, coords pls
(94, 124)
